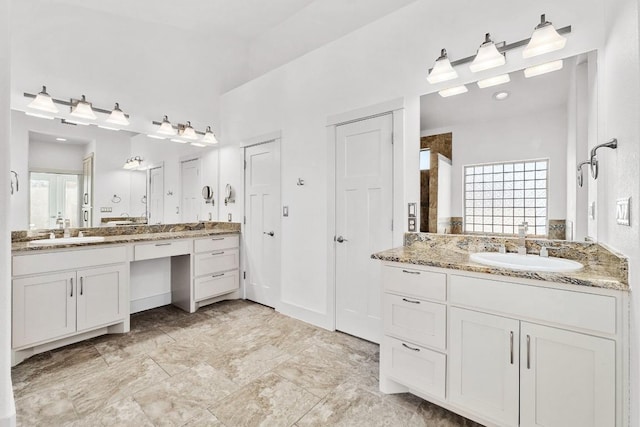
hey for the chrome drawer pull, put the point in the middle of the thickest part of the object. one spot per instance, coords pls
(411, 301)
(163, 244)
(410, 272)
(410, 348)
(528, 352)
(81, 285)
(217, 253)
(71, 296)
(218, 238)
(217, 275)
(511, 345)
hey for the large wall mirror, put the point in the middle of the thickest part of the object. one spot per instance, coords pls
(498, 156)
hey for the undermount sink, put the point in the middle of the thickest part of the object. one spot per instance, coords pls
(526, 262)
(66, 241)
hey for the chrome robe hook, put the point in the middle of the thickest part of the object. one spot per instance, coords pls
(613, 144)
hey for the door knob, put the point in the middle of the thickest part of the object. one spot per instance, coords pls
(271, 233)
(341, 239)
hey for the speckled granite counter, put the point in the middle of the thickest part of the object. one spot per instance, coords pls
(129, 234)
(602, 267)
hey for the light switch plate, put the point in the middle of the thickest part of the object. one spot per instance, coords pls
(285, 211)
(106, 209)
(623, 211)
(592, 210)
(229, 217)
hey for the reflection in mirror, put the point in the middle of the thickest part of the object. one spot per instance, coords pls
(493, 158)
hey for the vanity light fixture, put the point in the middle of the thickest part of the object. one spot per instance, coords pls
(442, 69)
(133, 163)
(487, 56)
(545, 68)
(494, 81)
(43, 102)
(209, 136)
(82, 109)
(456, 90)
(544, 39)
(187, 131)
(165, 127)
(117, 117)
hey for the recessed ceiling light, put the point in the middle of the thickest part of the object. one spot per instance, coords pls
(501, 96)
(61, 139)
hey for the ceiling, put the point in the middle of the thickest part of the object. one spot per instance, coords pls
(53, 139)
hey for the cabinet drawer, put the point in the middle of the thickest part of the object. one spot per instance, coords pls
(216, 284)
(562, 307)
(213, 262)
(415, 282)
(215, 243)
(417, 321)
(161, 249)
(416, 367)
(67, 260)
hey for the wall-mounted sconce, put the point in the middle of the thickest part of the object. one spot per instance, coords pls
(613, 144)
(183, 133)
(133, 163)
(300, 182)
(229, 195)
(490, 55)
(580, 175)
(207, 194)
(79, 109)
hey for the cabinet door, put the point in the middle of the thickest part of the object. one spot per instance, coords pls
(567, 378)
(483, 366)
(102, 296)
(44, 308)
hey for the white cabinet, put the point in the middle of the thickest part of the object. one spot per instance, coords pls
(102, 297)
(216, 264)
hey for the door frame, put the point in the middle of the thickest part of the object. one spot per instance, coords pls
(396, 108)
(182, 160)
(276, 138)
(148, 191)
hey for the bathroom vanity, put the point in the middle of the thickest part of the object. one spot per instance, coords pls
(69, 292)
(507, 347)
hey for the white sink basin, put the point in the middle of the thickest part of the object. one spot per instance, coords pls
(526, 262)
(66, 241)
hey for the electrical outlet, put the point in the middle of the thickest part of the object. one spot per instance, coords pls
(106, 209)
(623, 211)
(412, 225)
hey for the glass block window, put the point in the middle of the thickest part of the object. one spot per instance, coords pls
(500, 196)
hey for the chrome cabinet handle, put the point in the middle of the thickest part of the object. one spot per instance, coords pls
(410, 348)
(528, 352)
(71, 295)
(163, 244)
(341, 239)
(271, 233)
(411, 301)
(217, 253)
(511, 345)
(410, 272)
(81, 285)
(218, 238)
(217, 275)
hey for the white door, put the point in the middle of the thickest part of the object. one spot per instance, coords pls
(364, 214)
(155, 196)
(262, 229)
(567, 379)
(190, 192)
(484, 364)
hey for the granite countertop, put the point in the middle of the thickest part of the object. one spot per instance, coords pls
(419, 253)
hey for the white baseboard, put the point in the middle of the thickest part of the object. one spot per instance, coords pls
(309, 316)
(147, 303)
(8, 421)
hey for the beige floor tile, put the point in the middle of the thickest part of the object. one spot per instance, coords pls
(177, 357)
(124, 413)
(268, 401)
(204, 419)
(115, 349)
(47, 408)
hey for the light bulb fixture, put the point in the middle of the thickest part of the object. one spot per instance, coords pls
(117, 117)
(166, 128)
(442, 69)
(456, 90)
(545, 68)
(82, 109)
(187, 131)
(133, 163)
(544, 39)
(43, 102)
(487, 56)
(494, 81)
(209, 136)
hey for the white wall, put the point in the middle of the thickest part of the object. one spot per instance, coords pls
(523, 137)
(7, 408)
(52, 156)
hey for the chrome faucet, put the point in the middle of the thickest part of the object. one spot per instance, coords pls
(522, 234)
(67, 226)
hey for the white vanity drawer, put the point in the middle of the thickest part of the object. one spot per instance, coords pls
(416, 367)
(415, 282)
(214, 243)
(216, 284)
(562, 307)
(161, 249)
(213, 262)
(67, 260)
(417, 321)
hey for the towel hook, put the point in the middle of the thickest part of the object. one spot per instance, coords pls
(613, 144)
(580, 175)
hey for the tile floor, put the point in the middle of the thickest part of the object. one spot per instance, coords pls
(233, 363)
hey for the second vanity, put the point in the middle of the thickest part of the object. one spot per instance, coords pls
(506, 347)
(67, 293)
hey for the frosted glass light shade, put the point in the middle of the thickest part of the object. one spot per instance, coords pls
(457, 90)
(494, 81)
(545, 68)
(487, 57)
(442, 70)
(209, 136)
(43, 102)
(83, 110)
(166, 128)
(189, 132)
(117, 117)
(544, 39)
